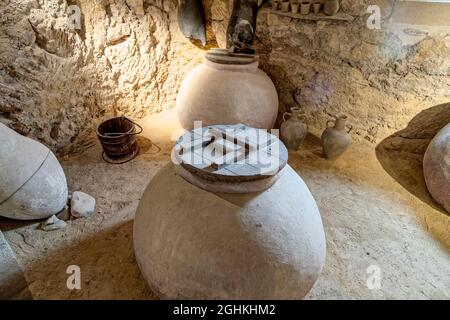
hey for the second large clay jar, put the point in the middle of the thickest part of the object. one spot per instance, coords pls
(436, 167)
(227, 90)
(194, 244)
(32, 182)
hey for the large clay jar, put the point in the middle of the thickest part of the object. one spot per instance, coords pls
(194, 244)
(336, 138)
(331, 7)
(436, 167)
(32, 182)
(293, 131)
(227, 90)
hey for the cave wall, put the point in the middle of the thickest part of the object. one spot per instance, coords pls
(376, 77)
(56, 82)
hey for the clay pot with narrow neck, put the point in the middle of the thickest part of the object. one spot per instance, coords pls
(336, 138)
(331, 7)
(316, 7)
(227, 89)
(293, 131)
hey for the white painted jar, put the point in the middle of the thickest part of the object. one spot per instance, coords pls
(227, 90)
(436, 167)
(32, 182)
(194, 244)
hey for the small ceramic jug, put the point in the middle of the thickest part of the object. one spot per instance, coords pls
(294, 130)
(331, 7)
(336, 138)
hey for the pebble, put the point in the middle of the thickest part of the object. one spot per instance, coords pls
(53, 223)
(82, 205)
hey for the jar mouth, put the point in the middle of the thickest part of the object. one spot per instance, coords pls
(232, 67)
(222, 59)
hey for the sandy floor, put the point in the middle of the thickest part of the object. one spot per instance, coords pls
(369, 219)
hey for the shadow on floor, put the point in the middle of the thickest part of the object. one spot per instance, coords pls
(401, 154)
(107, 264)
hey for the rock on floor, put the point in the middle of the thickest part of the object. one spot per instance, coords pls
(53, 223)
(82, 205)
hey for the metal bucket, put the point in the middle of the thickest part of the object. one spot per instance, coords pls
(118, 139)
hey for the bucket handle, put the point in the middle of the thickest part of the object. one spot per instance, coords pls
(110, 135)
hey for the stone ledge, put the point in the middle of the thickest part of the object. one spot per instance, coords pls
(340, 16)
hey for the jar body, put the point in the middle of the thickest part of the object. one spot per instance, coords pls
(195, 244)
(221, 94)
(436, 168)
(32, 183)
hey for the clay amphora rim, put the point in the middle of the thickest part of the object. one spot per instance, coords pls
(231, 67)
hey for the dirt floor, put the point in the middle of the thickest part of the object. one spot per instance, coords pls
(370, 219)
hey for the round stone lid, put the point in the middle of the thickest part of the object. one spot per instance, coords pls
(223, 56)
(231, 154)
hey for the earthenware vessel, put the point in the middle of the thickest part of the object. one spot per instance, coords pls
(316, 7)
(305, 7)
(331, 7)
(275, 4)
(336, 138)
(436, 167)
(295, 6)
(226, 238)
(285, 5)
(227, 89)
(32, 182)
(191, 20)
(293, 131)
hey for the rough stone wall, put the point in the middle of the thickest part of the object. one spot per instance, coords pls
(56, 82)
(376, 77)
(370, 75)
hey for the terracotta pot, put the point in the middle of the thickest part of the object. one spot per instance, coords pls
(265, 245)
(285, 5)
(227, 90)
(331, 7)
(275, 5)
(316, 7)
(295, 6)
(305, 7)
(32, 182)
(336, 138)
(293, 131)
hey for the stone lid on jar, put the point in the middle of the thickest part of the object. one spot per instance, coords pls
(230, 158)
(223, 56)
